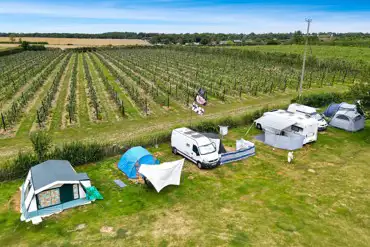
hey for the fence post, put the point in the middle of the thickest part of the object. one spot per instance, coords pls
(168, 100)
(70, 117)
(146, 107)
(3, 120)
(38, 118)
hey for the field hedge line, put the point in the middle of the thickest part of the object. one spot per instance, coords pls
(79, 153)
(322, 99)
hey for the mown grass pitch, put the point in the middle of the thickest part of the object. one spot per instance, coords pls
(262, 201)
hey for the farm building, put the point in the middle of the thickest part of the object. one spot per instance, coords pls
(51, 187)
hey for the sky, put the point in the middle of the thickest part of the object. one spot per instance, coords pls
(183, 16)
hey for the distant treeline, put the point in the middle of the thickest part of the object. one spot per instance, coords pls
(346, 39)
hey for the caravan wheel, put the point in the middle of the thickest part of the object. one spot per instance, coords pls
(259, 126)
(174, 150)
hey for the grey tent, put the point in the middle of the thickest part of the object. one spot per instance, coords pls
(349, 120)
(51, 187)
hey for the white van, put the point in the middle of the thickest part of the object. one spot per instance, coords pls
(300, 124)
(195, 147)
(310, 111)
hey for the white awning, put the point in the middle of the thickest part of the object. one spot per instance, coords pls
(164, 174)
(275, 122)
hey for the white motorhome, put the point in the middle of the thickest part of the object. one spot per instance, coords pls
(298, 124)
(195, 147)
(310, 111)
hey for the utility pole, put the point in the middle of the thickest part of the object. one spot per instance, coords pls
(304, 56)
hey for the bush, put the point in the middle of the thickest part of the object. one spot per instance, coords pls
(319, 100)
(361, 91)
(18, 167)
(41, 143)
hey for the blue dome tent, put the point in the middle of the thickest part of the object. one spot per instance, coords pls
(131, 161)
(331, 110)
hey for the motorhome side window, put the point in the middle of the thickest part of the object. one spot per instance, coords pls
(195, 150)
(296, 128)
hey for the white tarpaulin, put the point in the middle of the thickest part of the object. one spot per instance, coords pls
(164, 174)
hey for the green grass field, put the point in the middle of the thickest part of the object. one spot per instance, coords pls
(262, 201)
(341, 52)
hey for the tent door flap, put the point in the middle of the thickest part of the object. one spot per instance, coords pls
(66, 193)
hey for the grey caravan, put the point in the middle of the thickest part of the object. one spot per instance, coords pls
(196, 147)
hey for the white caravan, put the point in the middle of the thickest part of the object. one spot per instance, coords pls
(195, 147)
(301, 124)
(310, 111)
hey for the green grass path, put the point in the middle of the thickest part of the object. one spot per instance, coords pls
(82, 103)
(58, 111)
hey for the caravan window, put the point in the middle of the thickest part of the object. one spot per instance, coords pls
(296, 128)
(48, 198)
(342, 117)
(75, 192)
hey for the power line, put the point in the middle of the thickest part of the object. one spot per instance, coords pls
(304, 56)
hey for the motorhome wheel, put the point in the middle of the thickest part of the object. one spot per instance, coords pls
(174, 150)
(199, 165)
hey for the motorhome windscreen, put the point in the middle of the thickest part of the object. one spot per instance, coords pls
(207, 149)
(317, 116)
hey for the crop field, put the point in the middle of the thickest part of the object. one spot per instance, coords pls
(111, 94)
(56, 42)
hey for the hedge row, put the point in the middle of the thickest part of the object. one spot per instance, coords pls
(79, 153)
(10, 51)
(320, 100)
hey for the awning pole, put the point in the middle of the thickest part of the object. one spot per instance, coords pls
(250, 127)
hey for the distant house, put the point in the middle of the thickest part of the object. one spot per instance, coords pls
(196, 43)
(237, 41)
(223, 42)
